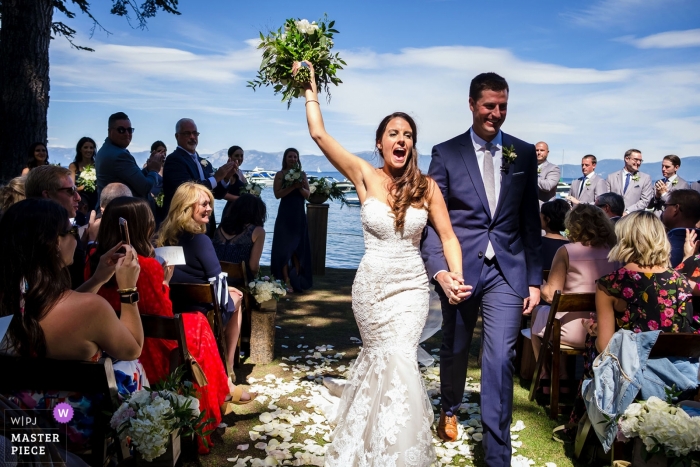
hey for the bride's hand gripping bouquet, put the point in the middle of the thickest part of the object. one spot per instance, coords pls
(297, 41)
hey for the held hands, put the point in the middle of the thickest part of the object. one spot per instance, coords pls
(127, 268)
(452, 284)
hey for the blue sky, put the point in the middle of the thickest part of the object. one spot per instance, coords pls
(595, 77)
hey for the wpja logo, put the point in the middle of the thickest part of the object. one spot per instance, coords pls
(32, 436)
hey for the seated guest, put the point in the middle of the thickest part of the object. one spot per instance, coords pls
(575, 268)
(154, 291)
(38, 156)
(681, 212)
(241, 236)
(612, 204)
(110, 192)
(186, 226)
(552, 215)
(49, 319)
(12, 193)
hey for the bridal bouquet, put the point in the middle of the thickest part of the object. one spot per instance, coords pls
(150, 415)
(87, 179)
(663, 428)
(266, 288)
(296, 41)
(252, 188)
(292, 176)
(327, 187)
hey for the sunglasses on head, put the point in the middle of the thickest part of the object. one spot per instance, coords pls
(121, 130)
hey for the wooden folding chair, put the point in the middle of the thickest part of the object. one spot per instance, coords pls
(552, 348)
(237, 274)
(524, 356)
(199, 295)
(95, 379)
(163, 327)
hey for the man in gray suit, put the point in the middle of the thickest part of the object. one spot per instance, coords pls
(634, 186)
(585, 189)
(548, 174)
(670, 182)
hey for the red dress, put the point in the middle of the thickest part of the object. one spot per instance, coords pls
(154, 299)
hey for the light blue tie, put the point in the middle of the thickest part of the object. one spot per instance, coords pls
(627, 183)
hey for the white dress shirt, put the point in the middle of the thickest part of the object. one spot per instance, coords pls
(195, 158)
(479, 150)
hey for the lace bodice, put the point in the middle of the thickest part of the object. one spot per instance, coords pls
(380, 237)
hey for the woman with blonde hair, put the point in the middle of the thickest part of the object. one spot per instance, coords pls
(12, 193)
(384, 412)
(575, 268)
(186, 226)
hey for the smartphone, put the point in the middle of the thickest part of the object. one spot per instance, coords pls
(124, 230)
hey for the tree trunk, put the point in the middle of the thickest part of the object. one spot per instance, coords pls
(24, 80)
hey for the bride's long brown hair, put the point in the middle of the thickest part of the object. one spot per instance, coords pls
(411, 187)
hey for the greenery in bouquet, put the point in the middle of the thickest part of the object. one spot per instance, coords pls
(292, 176)
(326, 186)
(159, 199)
(663, 428)
(265, 288)
(252, 188)
(148, 416)
(296, 41)
(88, 179)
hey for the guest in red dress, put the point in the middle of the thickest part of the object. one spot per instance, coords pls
(155, 300)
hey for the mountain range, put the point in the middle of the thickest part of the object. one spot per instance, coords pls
(690, 168)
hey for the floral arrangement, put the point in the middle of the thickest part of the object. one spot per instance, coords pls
(509, 157)
(292, 176)
(88, 179)
(159, 199)
(252, 188)
(296, 41)
(662, 427)
(148, 416)
(327, 187)
(266, 288)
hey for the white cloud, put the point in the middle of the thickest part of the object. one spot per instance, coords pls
(603, 13)
(579, 110)
(666, 40)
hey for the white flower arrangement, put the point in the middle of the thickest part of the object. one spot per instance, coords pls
(326, 187)
(266, 288)
(662, 427)
(149, 416)
(204, 162)
(292, 176)
(87, 179)
(252, 188)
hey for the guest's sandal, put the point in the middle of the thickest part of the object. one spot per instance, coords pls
(227, 406)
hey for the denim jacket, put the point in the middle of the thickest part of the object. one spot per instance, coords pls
(622, 371)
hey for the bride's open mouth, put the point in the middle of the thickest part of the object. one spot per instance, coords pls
(400, 155)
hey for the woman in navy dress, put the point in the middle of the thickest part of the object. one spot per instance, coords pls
(291, 251)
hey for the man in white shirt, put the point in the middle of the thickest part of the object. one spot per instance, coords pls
(548, 174)
(587, 188)
(634, 186)
(670, 182)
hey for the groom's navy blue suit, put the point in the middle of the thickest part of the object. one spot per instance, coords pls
(499, 284)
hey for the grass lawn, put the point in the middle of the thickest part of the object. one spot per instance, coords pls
(323, 316)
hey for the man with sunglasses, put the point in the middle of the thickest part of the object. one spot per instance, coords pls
(115, 164)
(681, 211)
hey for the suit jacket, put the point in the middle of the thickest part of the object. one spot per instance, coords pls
(657, 204)
(695, 186)
(115, 164)
(676, 237)
(595, 188)
(180, 168)
(547, 180)
(639, 193)
(514, 229)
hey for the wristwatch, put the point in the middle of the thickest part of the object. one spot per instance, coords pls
(129, 297)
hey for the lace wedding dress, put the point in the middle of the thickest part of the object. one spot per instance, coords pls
(384, 418)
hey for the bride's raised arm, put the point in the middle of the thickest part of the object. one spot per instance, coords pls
(354, 168)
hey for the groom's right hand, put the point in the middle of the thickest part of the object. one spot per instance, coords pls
(453, 285)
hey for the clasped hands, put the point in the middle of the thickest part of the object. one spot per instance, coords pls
(452, 284)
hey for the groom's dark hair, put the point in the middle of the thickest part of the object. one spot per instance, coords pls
(486, 81)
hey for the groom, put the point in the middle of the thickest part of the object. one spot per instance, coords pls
(489, 182)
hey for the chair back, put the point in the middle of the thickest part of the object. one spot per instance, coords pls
(93, 378)
(238, 271)
(676, 344)
(164, 327)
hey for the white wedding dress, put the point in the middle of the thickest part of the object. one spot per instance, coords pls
(384, 418)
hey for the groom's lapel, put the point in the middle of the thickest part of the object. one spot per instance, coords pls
(469, 158)
(505, 177)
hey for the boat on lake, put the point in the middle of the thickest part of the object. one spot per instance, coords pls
(260, 176)
(345, 186)
(563, 189)
(351, 198)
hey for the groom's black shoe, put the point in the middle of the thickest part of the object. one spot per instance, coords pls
(447, 427)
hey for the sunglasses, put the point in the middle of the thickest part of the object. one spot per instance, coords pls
(71, 190)
(121, 130)
(74, 230)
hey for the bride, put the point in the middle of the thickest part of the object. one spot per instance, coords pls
(385, 416)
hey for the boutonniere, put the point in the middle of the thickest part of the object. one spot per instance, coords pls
(635, 177)
(674, 182)
(509, 157)
(204, 162)
(588, 182)
(539, 170)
